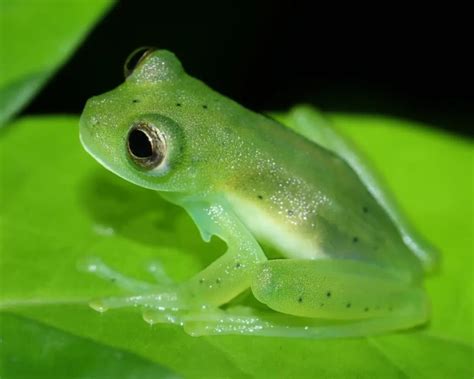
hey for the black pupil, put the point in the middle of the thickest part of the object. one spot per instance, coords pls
(139, 144)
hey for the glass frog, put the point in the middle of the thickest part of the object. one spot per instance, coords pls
(349, 264)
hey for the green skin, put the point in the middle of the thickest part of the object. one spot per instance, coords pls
(350, 266)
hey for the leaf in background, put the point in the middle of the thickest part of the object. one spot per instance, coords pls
(36, 37)
(52, 353)
(58, 206)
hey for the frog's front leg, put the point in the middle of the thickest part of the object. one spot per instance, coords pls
(215, 285)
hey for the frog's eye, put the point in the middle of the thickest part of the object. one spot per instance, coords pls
(135, 58)
(146, 145)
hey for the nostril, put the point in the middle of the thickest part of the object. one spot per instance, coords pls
(89, 116)
(95, 121)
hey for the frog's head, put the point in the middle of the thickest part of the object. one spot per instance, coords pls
(149, 129)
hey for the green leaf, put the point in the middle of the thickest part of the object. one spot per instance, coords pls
(49, 350)
(58, 206)
(36, 37)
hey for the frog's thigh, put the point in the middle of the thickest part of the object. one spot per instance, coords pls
(337, 290)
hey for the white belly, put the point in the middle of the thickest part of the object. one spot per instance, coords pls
(268, 226)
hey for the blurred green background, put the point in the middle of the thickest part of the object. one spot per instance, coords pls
(57, 205)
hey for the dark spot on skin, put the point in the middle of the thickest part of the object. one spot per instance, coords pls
(365, 209)
(290, 212)
(204, 107)
(178, 104)
(113, 280)
(355, 239)
(135, 101)
(348, 305)
(328, 294)
(218, 280)
(260, 197)
(237, 265)
(201, 281)
(366, 309)
(321, 305)
(300, 299)
(390, 309)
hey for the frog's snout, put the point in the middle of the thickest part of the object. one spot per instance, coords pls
(84, 124)
(88, 117)
(99, 133)
(89, 124)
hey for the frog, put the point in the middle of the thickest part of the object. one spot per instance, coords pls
(348, 263)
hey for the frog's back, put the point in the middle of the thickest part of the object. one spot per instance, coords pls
(308, 202)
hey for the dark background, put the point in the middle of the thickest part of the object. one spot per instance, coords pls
(269, 55)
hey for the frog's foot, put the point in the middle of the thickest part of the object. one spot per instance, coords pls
(98, 268)
(156, 269)
(242, 320)
(157, 295)
(164, 300)
(280, 325)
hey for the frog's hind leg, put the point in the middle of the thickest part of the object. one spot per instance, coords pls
(311, 124)
(368, 298)
(315, 299)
